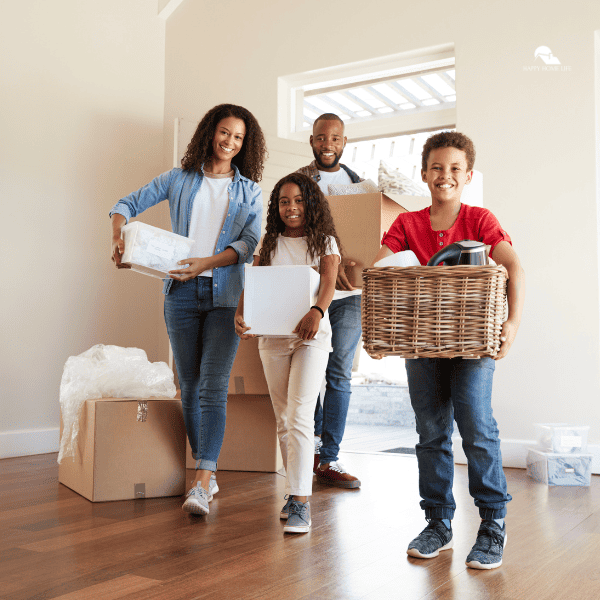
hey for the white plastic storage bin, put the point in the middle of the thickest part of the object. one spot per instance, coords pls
(559, 469)
(276, 298)
(562, 438)
(153, 251)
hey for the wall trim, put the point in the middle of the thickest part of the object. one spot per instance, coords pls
(27, 442)
(514, 453)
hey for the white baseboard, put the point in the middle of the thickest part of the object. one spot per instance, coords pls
(27, 442)
(514, 453)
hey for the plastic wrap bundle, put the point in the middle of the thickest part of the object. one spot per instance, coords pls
(107, 372)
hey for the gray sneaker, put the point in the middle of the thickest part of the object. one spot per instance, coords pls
(489, 546)
(285, 511)
(299, 518)
(213, 488)
(435, 537)
(196, 501)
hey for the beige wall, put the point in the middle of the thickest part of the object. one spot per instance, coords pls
(82, 97)
(534, 134)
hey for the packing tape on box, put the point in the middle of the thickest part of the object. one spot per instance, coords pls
(142, 411)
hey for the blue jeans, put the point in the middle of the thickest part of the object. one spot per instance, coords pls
(330, 420)
(442, 390)
(204, 346)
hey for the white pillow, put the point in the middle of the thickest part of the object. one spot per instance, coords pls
(393, 181)
(344, 189)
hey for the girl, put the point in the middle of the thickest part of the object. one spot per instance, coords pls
(214, 199)
(300, 231)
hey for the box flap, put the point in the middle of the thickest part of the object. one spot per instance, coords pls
(410, 203)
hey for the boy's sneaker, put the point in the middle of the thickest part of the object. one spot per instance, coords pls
(318, 444)
(335, 474)
(196, 501)
(435, 537)
(299, 518)
(488, 548)
(213, 488)
(285, 511)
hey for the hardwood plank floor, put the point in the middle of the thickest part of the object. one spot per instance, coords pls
(56, 544)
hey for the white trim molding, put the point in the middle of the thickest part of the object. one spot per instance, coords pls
(27, 442)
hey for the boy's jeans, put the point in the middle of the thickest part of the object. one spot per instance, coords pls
(441, 390)
(330, 419)
(204, 345)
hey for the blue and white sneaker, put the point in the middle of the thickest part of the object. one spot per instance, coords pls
(489, 546)
(285, 511)
(196, 501)
(213, 488)
(299, 518)
(435, 537)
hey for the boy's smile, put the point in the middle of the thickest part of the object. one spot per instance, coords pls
(446, 174)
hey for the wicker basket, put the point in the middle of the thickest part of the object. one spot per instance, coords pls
(433, 312)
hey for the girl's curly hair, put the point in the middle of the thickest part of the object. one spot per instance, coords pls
(318, 222)
(250, 159)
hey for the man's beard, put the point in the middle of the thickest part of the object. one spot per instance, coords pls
(334, 164)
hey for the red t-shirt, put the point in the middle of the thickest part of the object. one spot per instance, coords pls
(412, 231)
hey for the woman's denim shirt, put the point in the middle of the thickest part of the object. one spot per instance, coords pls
(241, 230)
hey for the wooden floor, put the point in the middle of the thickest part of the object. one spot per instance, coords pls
(56, 544)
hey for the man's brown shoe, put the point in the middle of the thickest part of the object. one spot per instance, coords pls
(334, 474)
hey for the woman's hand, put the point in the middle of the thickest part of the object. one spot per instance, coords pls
(117, 249)
(309, 325)
(194, 268)
(241, 328)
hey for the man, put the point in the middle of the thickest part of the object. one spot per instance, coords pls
(327, 142)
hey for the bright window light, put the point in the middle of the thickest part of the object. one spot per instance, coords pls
(368, 98)
(389, 93)
(386, 109)
(407, 105)
(346, 102)
(430, 102)
(415, 89)
(310, 114)
(437, 83)
(363, 113)
(451, 98)
(451, 74)
(326, 108)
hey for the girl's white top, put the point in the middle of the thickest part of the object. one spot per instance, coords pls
(294, 251)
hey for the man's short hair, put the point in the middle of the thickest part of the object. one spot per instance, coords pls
(449, 139)
(328, 117)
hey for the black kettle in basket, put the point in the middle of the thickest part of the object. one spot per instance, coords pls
(465, 252)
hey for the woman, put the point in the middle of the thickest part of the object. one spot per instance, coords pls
(214, 199)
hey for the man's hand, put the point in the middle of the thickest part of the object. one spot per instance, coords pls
(342, 282)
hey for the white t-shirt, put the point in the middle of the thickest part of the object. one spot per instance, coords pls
(327, 178)
(294, 251)
(209, 212)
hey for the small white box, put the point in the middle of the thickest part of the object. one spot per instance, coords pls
(153, 251)
(559, 469)
(562, 438)
(277, 297)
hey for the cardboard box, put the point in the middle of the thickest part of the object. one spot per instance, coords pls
(250, 442)
(153, 251)
(362, 219)
(247, 374)
(129, 448)
(277, 297)
(559, 469)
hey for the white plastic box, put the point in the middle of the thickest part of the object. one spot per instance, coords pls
(562, 438)
(153, 251)
(277, 297)
(559, 469)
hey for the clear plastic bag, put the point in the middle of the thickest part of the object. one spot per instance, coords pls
(107, 372)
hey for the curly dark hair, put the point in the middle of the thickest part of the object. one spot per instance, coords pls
(250, 159)
(449, 139)
(318, 222)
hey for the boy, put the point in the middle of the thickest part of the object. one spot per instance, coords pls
(442, 389)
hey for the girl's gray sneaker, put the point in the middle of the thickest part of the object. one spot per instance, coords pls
(285, 511)
(196, 501)
(435, 537)
(299, 518)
